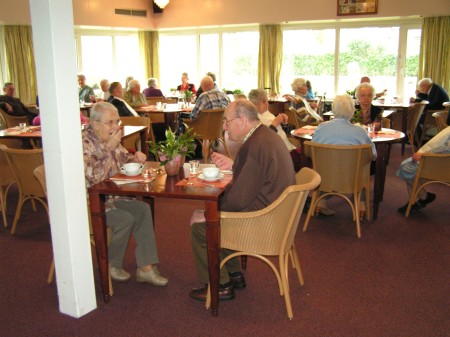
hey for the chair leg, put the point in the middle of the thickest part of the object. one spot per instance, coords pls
(285, 285)
(312, 207)
(3, 206)
(33, 205)
(51, 272)
(356, 215)
(298, 268)
(17, 215)
(244, 262)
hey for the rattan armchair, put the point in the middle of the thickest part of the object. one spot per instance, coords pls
(345, 170)
(6, 181)
(433, 169)
(440, 119)
(134, 141)
(270, 232)
(12, 121)
(22, 164)
(208, 127)
(414, 114)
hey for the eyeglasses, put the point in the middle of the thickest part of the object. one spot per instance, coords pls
(117, 122)
(227, 122)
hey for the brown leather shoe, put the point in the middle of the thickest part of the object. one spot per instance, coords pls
(238, 280)
(226, 292)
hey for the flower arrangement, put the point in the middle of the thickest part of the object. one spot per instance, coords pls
(357, 117)
(188, 95)
(174, 147)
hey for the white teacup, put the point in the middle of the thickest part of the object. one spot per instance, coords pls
(131, 168)
(211, 172)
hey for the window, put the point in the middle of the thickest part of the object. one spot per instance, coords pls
(309, 54)
(240, 61)
(372, 52)
(177, 55)
(209, 55)
(128, 59)
(411, 62)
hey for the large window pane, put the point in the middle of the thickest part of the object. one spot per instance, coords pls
(369, 52)
(240, 61)
(177, 54)
(97, 58)
(309, 54)
(209, 55)
(411, 62)
(128, 59)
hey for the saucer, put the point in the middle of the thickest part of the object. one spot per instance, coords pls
(226, 171)
(202, 177)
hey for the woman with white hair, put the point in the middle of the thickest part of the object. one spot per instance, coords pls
(366, 113)
(299, 102)
(339, 131)
(133, 95)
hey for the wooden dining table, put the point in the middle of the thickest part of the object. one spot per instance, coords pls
(382, 140)
(163, 186)
(168, 115)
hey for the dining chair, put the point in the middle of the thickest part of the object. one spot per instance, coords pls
(270, 232)
(345, 170)
(134, 141)
(429, 125)
(22, 163)
(6, 181)
(440, 120)
(208, 127)
(413, 118)
(12, 121)
(433, 169)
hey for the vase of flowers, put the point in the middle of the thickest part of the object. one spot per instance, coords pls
(188, 96)
(173, 150)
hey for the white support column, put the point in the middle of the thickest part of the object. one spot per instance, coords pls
(54, 48)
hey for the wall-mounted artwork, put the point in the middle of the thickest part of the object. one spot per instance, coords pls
(356, 7)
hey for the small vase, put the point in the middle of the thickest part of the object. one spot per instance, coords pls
(172, 167)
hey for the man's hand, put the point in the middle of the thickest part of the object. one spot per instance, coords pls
(8, 107)
(221, 161)
(280, 119)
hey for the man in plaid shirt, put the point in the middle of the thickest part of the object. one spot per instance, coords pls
(211, 98)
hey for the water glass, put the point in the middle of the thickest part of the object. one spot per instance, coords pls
(370, 129)
(22, 126)
(194, 166)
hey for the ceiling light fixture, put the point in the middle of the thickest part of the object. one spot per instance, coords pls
(161, 3)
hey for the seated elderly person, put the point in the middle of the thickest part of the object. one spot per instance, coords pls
(103, 157)
(211, 98)
(200, 90)
(366, 113)
(133, 95)
(116, 99)
(152, 90)
(259, 98)
(85, 92)
(339, 131)
(104, 95)
(431, 92)
(299, 101)
(261, 172)
(12, 105)
(408, 168)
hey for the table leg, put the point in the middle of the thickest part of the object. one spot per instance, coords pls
(380, 175)
(213, 248)
(97, 207)
(144, 145)
(404, 126)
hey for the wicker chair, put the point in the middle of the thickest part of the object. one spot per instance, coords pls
(414, 114)
(6, 181)
(270, 232)
(433, 169)
(134, 141)
(12, 121)
(344, 170)
(208, 127)
(440, 120)
(22, 164)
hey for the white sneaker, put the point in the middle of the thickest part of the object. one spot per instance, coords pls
(119, 274)
(152, 277)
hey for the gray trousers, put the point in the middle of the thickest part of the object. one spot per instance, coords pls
(131, 217)
(198, 241)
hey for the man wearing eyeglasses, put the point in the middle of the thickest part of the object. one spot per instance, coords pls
(103, 157)
(262, 170)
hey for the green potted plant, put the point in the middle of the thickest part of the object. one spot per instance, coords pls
(188, 95)
(172, 151)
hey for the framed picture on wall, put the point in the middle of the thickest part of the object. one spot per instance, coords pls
(356, 7)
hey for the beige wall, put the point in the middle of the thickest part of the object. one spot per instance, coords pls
(191, 13)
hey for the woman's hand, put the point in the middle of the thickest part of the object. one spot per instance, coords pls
(221, 161)
(139, 157)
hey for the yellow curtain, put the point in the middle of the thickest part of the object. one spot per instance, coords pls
(20, 55)
(434, 60)
(149, 47)
(270, 57)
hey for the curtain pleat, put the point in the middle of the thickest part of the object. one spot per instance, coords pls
(270, 57)
(434, 60)
(21, 65)
(149, 47)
